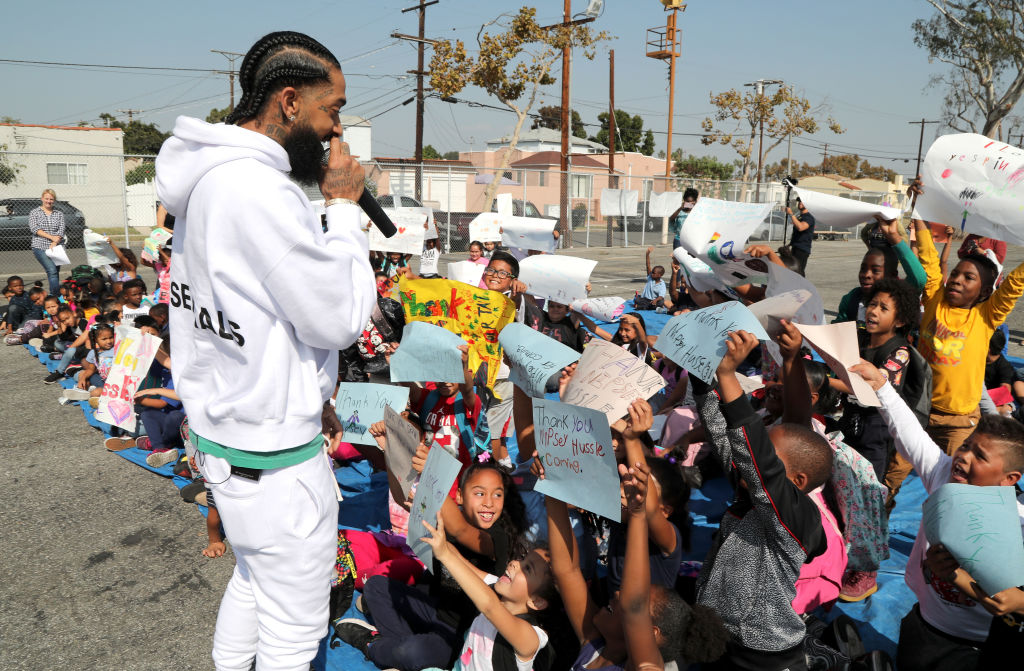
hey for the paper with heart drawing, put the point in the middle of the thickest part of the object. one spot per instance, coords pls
(132, 357)
(410, 235)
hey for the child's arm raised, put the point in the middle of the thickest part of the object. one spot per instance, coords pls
(594, 328)
(565, 567)
(796, 393)
(467, 385)
(635, 595)
(647, 258)
(890, 228)
(518, 632)
(791, 512)
(912, 441)
(999, 306)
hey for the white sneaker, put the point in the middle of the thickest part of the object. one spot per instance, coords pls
(76, 394)
(35, 342)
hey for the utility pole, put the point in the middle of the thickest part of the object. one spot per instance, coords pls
(232, 57)
(824, 158)
(663, 44)
(421, 43)
(131, 113)
(920, 143)
(759, 87)
(613, 182)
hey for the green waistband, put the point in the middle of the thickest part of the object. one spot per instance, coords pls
(261, 460)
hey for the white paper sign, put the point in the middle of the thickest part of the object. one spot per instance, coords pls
(837, 345)
(410, 235)
(783, 280)
(699, 275)
(784, 306)
(560, 278)
(529, 233)
(976, 185)
(836, 212)
(619, 202)
(58, 255)
(607, 309)
(98, 252)
(132, 358)
(609, 378)
(503, 205)
(664, 204)
(716, 232)
(486, 227)
(466, 271)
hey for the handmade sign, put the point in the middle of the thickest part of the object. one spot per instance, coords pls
(575, 446)
(980, 526)
(974, 184)
(156, 239)
(436, 481)
(59, 255)
(476, 315)
(359, 405)
(772, 310)
(664, 204)
(486, 227)
(410, 235)
(619, 202)
(528, 233)
(783, 280)
(132, 358)
(425, 214)
(98, 252)
(607, 309)
(533, 357)
(699, 275)
(403, 439)
(696, 340)
(466, 272)
(609, 378)
(716, 232)
(560, 278)
(838, 347)
(428, 353)
(836, 212)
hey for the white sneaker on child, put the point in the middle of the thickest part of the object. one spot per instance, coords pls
(76, 394)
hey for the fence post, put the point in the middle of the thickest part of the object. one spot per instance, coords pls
(448, 228)
(124, 202)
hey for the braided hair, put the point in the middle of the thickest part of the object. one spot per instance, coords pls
(278, 60)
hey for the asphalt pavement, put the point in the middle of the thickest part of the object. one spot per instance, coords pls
(102, 560)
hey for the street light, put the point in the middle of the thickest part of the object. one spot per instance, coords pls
(759, 86)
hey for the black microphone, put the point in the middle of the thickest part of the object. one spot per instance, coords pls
(369, 205)
(376, 214)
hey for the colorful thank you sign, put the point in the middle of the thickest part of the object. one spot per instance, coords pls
(133, 355)
(477, 315)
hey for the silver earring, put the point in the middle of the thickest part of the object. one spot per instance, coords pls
(291, 118)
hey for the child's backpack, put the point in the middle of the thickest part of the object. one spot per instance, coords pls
(84, 273)
(917, 386)
(476, 442)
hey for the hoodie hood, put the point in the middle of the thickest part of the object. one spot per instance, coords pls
(196, 147)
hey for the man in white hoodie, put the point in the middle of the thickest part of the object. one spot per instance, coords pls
(261, 300)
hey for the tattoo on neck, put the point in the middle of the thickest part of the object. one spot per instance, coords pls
(274, 131)
(325, 108)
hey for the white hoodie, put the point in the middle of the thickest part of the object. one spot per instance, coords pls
(261, 299)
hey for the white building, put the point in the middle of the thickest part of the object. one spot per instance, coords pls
(546, 139)
(84, 166)
(357, 134)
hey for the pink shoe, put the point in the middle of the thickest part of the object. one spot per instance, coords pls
(858, 585)
(142, 442)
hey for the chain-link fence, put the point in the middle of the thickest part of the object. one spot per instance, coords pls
(111, 194)
(115, 195)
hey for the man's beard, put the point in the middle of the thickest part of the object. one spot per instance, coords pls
(305, 151)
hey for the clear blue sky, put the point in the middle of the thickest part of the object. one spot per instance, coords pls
(857, 57)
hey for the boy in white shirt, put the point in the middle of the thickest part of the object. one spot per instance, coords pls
(948, 624)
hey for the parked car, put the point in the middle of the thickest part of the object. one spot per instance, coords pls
(14, 231)
(405, 201)
(519, 207)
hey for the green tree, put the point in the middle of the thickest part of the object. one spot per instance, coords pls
(451, 156)
(550, 116)
(701, 167)
(511, 66)
(739, 116)
(629, 133)
(430, 152)
(218, 115)
(9, 119)
(983, 43)
(139, 138)
(8, 169)
(143, 173)
(849, 166)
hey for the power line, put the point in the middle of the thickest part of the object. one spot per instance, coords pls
(155, 68)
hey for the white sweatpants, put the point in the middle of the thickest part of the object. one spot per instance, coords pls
(283, 530)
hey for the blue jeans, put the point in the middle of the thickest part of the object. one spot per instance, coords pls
(412, 635)
(52, 276)
(66, 357)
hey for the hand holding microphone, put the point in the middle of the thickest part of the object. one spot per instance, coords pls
(343, 177)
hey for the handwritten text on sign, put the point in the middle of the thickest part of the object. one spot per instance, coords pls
(608, 379)
(980, 527)
(696, 340)
(360, 405)
(477, 315)
(134, 354)
(575, 445)
(533, 357)
(436, 481)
